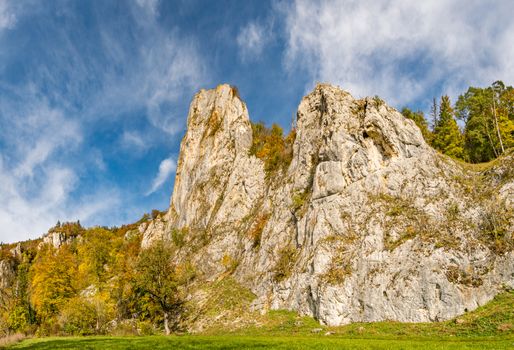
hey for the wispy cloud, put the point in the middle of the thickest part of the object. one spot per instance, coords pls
(133, 140)
(38, 182)
(32, 205)
(77, 87)
(401, 49)
(151, 6)
(252, 40)
(166, 167)
(7, 16)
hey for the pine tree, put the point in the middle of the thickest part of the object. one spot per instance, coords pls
(447, 136)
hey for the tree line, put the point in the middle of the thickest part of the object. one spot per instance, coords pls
(98, 281)
(487, 119)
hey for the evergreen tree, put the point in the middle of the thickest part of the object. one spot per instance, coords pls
(447, 136)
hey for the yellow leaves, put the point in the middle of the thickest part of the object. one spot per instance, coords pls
(271, 146)
(52, 277)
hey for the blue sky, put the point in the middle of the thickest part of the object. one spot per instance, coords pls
(94, 94)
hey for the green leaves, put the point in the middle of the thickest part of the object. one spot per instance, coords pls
(270, 145)
(447, 136)
(488, 114)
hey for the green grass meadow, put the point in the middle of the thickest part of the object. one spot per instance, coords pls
(246, 342)
(489, 327)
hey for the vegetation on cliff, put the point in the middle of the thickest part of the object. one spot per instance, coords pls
(487, 115)
(270, 145)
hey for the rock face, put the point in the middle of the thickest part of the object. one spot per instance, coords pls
(7, 273)
(55, 239)
(367, 223)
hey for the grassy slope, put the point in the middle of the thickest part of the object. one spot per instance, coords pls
(489, 327)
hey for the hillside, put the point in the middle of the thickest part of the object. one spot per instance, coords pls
(351, 217)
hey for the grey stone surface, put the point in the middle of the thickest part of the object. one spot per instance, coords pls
(388, 229)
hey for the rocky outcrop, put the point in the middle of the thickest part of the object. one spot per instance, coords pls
(367, 223)
(7, 273)
(55, 239)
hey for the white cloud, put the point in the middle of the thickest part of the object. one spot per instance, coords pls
(151, 6)
(37, 183)
(30, 206)
(7, 16)
(166, 167)
(45, 131)
(163, 73)
(401, 49)
(52, 166)
(252, 39)
(133, 140)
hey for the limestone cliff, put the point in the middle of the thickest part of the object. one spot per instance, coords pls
(367, 223)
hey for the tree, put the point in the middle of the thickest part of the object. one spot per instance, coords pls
(419, 118)
(447, 136)
(488, 114)
(51, 283)
(157, 277)
(433, 114)
(95, 253)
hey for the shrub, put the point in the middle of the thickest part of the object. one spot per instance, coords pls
(178, 236)
(69, 229)
(337, 272)
(146, 328)
(18, 318)
(78, 317)
(270, 145)
(285, 263)
(456, 275)
(494, 225)
(378, 101)
(157, 213)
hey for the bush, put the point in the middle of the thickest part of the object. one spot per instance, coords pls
(18, 319)
(146, 328)
(156, 213)
(79, 317)
(178, 236)
(128, 327)
(270, 145)
(285, 263)
(378, 101)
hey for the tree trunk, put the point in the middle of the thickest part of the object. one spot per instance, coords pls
(490, 139)
(498, 128)
(166, 323)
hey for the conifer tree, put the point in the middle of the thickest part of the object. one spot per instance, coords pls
(447, 136)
